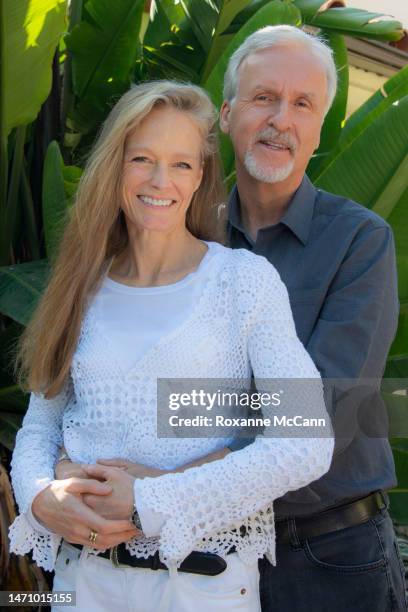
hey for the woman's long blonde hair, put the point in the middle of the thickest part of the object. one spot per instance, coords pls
(96, 230)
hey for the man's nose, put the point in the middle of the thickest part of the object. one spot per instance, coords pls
(160, 177)
(280, 116)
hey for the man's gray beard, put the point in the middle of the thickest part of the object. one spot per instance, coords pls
(266, 175)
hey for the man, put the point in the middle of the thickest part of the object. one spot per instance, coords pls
(336, 546)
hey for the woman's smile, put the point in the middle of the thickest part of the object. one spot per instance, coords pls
(153, 202)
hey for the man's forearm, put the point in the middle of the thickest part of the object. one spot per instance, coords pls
(215, 456)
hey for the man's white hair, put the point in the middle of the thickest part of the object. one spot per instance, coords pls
(279, 36)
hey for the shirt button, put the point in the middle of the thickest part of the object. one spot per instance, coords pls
(243, 591)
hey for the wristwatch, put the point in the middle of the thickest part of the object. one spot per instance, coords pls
(136, 519)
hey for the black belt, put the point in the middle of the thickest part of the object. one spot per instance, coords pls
(197, 562)
(332, 519)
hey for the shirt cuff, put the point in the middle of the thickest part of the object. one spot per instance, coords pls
(35, 524)
(151, 521)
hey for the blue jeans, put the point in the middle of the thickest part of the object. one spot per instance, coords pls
(357, 569)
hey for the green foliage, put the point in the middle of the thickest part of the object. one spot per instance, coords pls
(59, 186)
(31, 33)
(399, 495)
(332, 127)
(20, 289)
(350, 21)
(104, 48)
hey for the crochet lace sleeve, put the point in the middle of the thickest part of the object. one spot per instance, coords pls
(215, 496)
(32, 469)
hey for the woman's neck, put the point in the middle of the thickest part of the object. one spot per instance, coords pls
(153, 258)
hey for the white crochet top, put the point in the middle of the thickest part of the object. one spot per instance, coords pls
(241, 324)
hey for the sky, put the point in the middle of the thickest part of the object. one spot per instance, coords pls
(396, 8)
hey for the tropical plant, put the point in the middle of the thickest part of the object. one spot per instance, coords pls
(60, 72)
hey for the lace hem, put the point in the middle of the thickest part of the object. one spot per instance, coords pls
(23, 538)
(252, 538)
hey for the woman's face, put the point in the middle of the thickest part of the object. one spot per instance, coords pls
(162, 170)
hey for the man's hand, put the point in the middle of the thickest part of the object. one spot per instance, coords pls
(69, 469)
(60, 509)
(119, 504)
(66, 468)
(138, 470)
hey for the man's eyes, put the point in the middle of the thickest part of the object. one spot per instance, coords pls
(263, 97)
(183, 165)
(301, 103)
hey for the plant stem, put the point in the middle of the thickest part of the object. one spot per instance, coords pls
(29, 215)
(67, 96)
(15, 177)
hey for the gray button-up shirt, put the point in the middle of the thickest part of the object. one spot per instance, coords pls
(337, 260)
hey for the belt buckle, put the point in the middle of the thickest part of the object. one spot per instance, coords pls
(113, 557)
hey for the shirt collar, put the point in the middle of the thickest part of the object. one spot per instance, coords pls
(297, 218)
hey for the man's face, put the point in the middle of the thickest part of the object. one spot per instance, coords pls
(276, 117)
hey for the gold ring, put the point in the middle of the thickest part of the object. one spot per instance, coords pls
(92, 536)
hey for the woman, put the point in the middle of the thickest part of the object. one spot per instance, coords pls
(139, 292)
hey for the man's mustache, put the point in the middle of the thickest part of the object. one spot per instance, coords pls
(278, 137)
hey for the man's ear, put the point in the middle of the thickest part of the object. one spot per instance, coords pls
(317, 145)
(224, 117)
(319, 136)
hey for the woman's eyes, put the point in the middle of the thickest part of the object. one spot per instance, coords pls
(140, 159)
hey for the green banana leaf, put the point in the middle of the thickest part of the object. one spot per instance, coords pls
(399, 495)
(243, 16)
(272, 13)
(30, 34)
(350, 21)
(353, 22)
(366, 167)
(185, 41)
(392, 91)
(334, 119)
(21, 287)
(397, 410)
(59, 186)
(8, 341)
(228, 9)
(104, 48)
(398, 219)
(170, 48)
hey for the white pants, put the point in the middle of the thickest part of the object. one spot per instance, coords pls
(101, 587)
